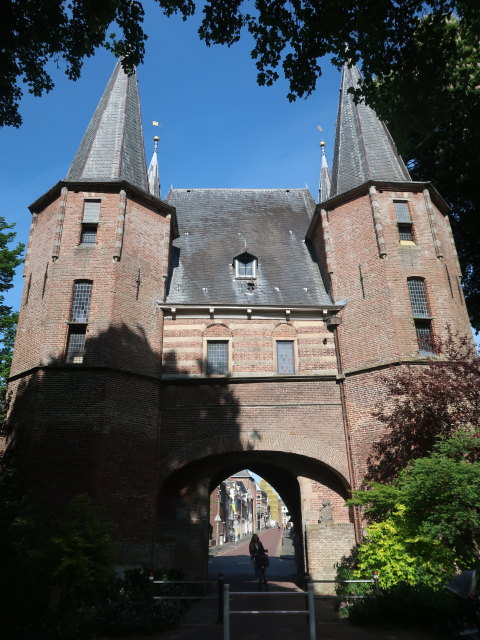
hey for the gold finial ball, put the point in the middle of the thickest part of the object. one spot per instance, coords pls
(322, 144)
(156, 138)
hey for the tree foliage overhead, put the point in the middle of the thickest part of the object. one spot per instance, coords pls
(426, 403)
(419, 59)
(36, 32)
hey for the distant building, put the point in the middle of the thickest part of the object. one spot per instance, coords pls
(273, 502)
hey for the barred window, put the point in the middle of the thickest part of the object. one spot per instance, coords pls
(402, 211)
(217, 357)
(418, 297)
(89, 234)
(82, 293)
(423, 329)
(91, 210)
(285, 356)
(76, 344)
(405, 232)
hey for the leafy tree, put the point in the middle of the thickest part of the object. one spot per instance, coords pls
(426, 523)
(425, 403)
(9, 261)
(294, 34)
(34, 32)
(402, 558)
(431, 101)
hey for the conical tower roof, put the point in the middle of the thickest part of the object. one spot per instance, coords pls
(112, 148)
(364, 149)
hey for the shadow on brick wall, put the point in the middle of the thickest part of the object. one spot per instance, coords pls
(104, 427)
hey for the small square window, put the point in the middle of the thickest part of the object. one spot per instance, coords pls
(89, 234)
(405, 231)
(217, 357)
(76, 344)
(245, 266)
(285, 357)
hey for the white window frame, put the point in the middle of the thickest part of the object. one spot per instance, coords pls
(240, 276)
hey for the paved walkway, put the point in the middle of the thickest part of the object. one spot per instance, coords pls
(200, 622)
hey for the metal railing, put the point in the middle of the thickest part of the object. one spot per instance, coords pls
(374, 581)
(198, 596)
(309, 610)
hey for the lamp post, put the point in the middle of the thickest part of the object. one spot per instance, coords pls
(217, 517)
(242, 527)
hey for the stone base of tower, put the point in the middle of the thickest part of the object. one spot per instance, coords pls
(325, 545)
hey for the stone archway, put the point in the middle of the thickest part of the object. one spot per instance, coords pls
(302, 481)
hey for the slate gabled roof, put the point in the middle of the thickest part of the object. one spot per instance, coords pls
(216, 225)
(364, 149)
(112, 148)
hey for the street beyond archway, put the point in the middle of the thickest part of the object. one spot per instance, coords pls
(236, 566)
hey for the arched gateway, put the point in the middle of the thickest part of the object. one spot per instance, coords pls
(165, 344)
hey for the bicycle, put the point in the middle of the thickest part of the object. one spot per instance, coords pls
(261, 563)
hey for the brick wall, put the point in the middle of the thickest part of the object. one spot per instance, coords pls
(326, 544)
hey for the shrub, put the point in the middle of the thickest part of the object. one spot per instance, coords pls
(407, 605)
(129, 608)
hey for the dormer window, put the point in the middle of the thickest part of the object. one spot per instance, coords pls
(245, 266)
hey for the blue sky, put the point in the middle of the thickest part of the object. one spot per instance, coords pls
(219, 128)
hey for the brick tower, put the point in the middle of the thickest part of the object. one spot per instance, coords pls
(387, 251)
(84, 388)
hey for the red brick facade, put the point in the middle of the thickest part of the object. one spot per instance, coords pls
(141, 427)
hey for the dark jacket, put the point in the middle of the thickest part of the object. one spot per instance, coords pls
(260, 551)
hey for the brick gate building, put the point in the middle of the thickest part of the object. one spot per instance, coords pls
(164, 345)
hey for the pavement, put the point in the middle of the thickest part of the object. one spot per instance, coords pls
(233, 560)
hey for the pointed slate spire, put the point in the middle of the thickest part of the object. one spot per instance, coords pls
(153, 173)
(364, 149)
(112, 148)
(325, 178)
